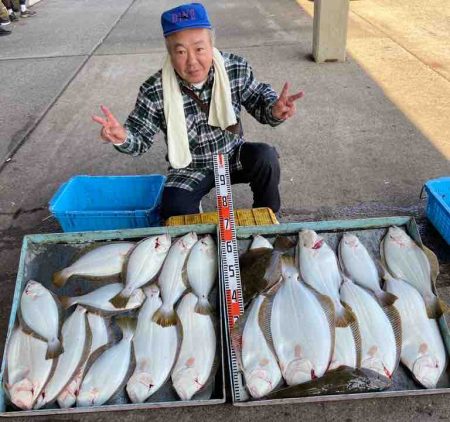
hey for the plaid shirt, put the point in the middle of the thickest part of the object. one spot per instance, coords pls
(205, 141)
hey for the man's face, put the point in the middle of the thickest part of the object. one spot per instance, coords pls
(191, 52)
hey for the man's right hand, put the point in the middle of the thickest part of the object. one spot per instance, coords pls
(112, 131)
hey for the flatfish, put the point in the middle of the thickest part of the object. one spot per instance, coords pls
(405, 260)
(110, 371)
(173, 279)
(143, 265)
(202, 271)
(76, 339)
(27, 369)
(40, 315)
(97, 262)
(257, 359)
(298, 316)
(360, 267)
(319, 269)
(99, 300)
(99, 329)
(155, 350)
(423, 351)
(194, 367)
(380, 333)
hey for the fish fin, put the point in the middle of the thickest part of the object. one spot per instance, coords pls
(180, 336)
(340, 259)
(203, 307)
(95, 355)
(165, 317)
(184, 273)
(297, 253)
(382, 256)
(123, 274)
(444, 306)
(434, 263)
(273, 289)
(236, 338)
(66, 301)
(385, 274)
(283, 243)
(328, 306)
(264, 317)
(354, 327)
(435, 307)
(273, 270)
(345, 318)
(396, 322)
(88, 342)
(60, 277)
(54, 349)
(127, 324)
(385, 298)
(120, 300)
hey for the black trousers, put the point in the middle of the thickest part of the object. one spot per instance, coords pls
(260, 168)
(9, 4)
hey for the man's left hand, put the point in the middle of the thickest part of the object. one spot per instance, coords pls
(285, 105)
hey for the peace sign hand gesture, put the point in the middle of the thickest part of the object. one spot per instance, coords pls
(112, 131)
(285, 108)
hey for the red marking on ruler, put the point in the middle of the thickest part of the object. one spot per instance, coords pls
(234, 310)
(225, 223)
(220, 156)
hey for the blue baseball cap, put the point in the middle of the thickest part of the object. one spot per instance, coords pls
(186, 16)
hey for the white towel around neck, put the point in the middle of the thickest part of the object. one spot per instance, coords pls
(221, 112)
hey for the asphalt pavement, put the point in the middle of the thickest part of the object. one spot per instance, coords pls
(359, 145)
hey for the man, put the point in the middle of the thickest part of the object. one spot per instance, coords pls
(196, 101)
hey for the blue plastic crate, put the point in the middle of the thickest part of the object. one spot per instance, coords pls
(89, 203)
(438, 206)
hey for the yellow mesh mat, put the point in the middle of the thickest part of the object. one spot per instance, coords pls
(243, 217)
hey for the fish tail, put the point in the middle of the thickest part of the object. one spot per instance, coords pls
(385, 298)
(203, 306)
(165, 316)
(344, 317)
(54, 349)
(120, 300)
(60, 278)
(66, 301)
(435, 307)
(444, 306)
(127, 325)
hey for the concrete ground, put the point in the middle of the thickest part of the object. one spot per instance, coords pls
(369, 132)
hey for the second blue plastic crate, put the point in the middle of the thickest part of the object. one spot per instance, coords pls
(89, 203)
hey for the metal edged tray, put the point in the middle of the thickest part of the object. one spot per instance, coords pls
(42, 254)
(370, 231)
